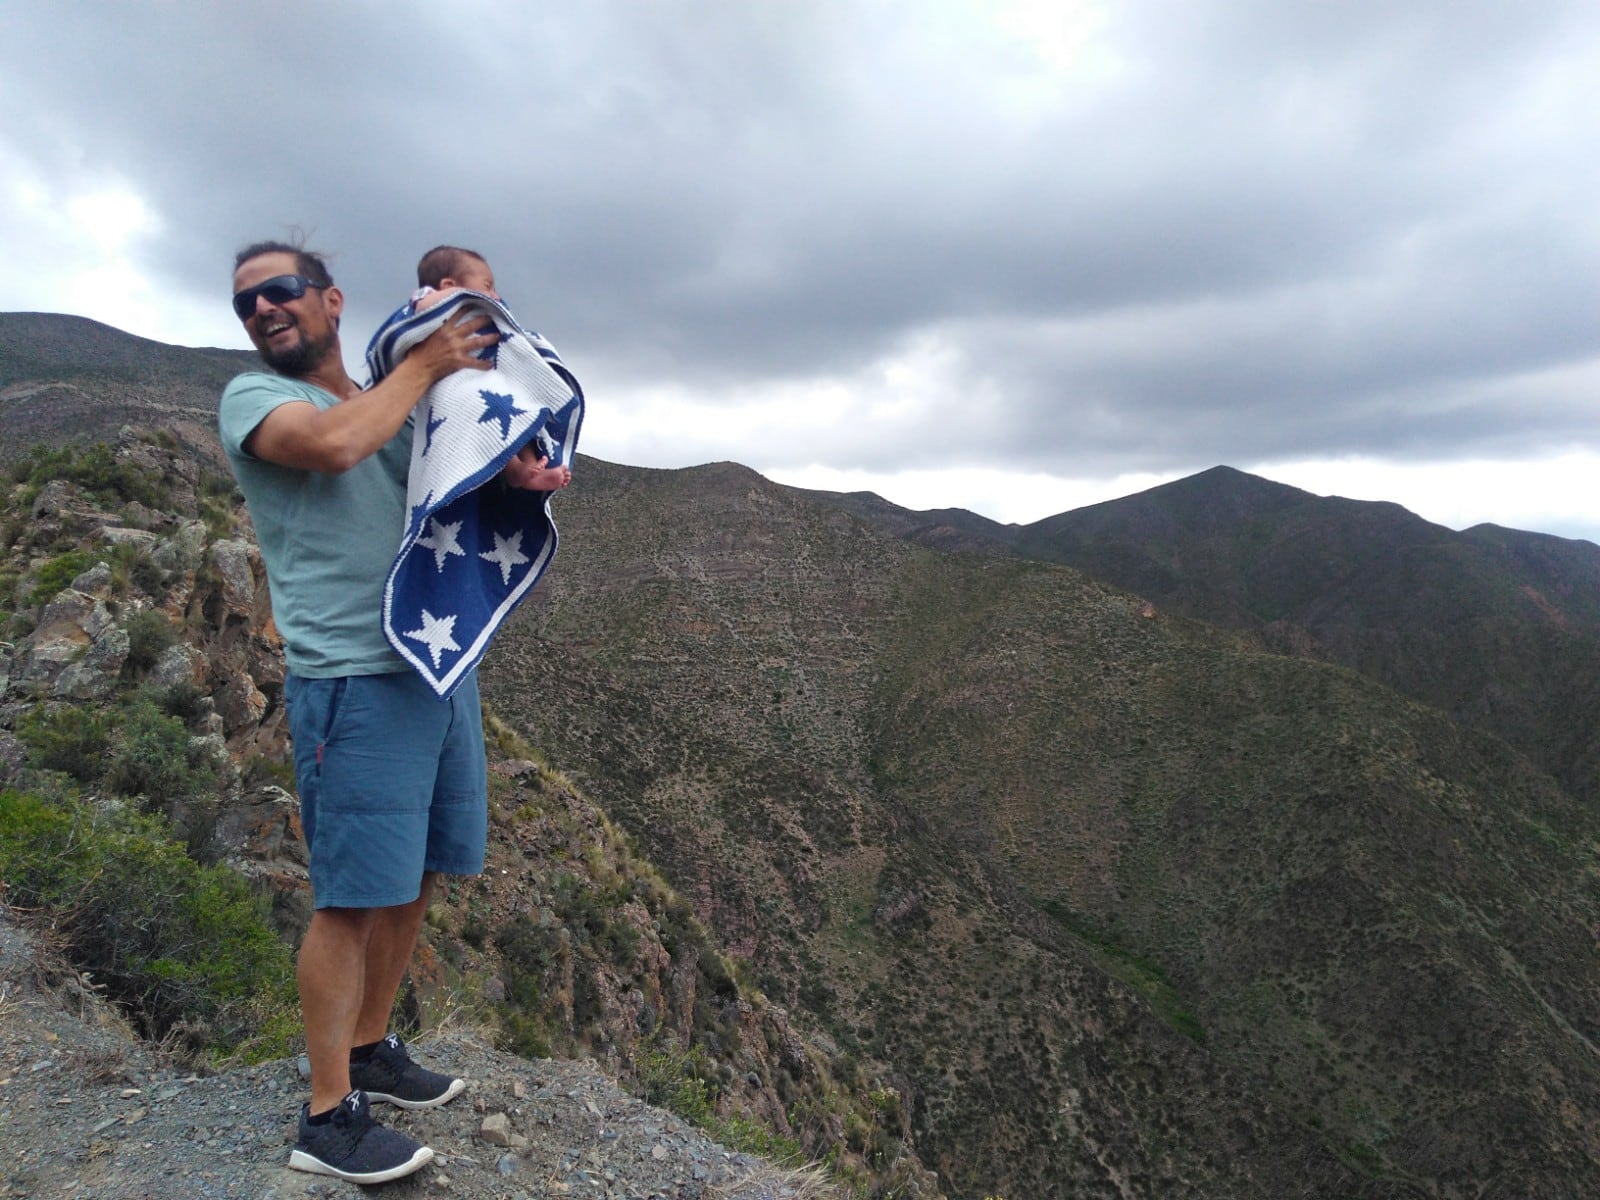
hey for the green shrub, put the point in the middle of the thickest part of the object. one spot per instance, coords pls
(684, 1082)
(594, 919)
(220, 487)
(522, 1033)
(70, 739)
(679, 1081)
(141, 751)
(219, 519)
(184, 700)
(56, 574)
(134, 568)
(527, 952)
(258, 770)
(152, 756)
(186, 949)
(219, 501)
(150, 633)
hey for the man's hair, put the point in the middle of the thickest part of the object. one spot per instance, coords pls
(444, 262)
(306, 262)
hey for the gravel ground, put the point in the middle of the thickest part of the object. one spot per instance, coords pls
(88, 1112)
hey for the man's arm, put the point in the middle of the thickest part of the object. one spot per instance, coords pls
(332, 440)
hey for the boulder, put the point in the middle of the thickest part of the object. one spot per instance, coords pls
(181, 663)
(96, 581)
(231, 561)
(96, 674)
(69, 626)
(240, 702)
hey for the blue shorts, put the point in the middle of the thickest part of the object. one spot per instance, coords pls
(392, 784)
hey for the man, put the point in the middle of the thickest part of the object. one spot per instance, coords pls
(391, 779)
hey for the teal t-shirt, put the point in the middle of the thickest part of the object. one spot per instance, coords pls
(328, 540)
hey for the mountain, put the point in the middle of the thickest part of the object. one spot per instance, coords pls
(66, 379)
(145, 830)
(1097, 897)
(1134, 906)
(1500, 628)
(1496, 627)
(953, 529)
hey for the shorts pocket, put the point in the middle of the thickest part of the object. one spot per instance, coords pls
(333, 708)
(315, 708)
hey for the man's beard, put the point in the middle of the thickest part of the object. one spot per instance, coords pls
(302, 358)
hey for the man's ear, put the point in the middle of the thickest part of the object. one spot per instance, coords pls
(334, 299)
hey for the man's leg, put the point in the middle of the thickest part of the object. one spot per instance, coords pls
(366, 860)
(384, 1069)
(388, 953)
(336, 1135)
(331, 974)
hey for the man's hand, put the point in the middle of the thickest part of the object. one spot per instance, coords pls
(529, 472)
(454, 345)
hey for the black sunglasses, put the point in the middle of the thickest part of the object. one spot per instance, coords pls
(280, 289)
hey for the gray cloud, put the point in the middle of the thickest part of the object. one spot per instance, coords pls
(1236, 231)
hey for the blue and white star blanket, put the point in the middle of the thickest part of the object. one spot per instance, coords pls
(473, 547)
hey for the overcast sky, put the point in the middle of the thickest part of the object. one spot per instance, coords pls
(1012, 257)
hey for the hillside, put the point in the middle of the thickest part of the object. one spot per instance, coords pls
(1496, 627)
(1499, 628)
(69, 379)
(1111, 888)
(969, 860)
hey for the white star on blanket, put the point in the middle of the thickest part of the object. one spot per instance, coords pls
(507, 554)
(486, 543)
(441, 539)
(437, 634)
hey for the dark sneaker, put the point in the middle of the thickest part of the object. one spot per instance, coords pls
(390, 1076)
(355, 1147)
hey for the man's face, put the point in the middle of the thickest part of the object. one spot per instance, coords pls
(297, 336)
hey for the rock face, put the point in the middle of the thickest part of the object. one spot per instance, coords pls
(71, 629)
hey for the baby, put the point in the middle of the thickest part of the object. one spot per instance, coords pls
(446, 269)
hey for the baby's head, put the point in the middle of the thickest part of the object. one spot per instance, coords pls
(451, 266)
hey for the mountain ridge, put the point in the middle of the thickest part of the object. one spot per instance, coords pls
(1498, 627)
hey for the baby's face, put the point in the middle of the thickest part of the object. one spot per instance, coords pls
(478, 277)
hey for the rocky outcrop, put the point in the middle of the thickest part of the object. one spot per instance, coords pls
(568, 944)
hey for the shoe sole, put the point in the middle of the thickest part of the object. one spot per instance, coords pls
(299, 1160)
(457, 1086)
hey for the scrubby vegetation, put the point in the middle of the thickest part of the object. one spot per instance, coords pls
(88, 847)
(95, 469)
(185, 949)
(685, 1081)
(133, 749)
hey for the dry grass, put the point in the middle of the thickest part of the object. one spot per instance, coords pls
(772, 1183)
